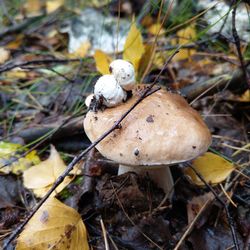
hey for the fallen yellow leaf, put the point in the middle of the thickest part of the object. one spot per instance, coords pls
(102, 61)
(33, 7)
(185, 36)
(156, 29)
(81, 51)
(10, 151)
(41, 177)
(4, 55)
(213, 168)
(133, 48)
(53, 5)
(16, 74)
(149, 54)
(245, 97)
(54, 226)
(16, 43)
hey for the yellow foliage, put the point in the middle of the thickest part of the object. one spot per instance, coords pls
(213, 168)
(102, 61)
(156, 29)
(16, 43)
(16, 74)
(53, 5)
(245, 97)
(133, 48)
(81, 51)
(10, 150)
(33, 7)
(133, 52)
(41, 177)
(185, 36)
(54, 226)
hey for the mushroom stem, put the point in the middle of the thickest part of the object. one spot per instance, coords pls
(161, 175)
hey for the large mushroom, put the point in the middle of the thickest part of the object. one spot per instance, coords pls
(162, 130)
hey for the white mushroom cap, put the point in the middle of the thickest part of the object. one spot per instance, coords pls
(107, 88)
(124, 73)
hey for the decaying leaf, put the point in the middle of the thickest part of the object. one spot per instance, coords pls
(102, 61)
(133, 48)
(212, 167)
(12, 151)
(54, 226)
(195, 205)
(185, 36)
(41, 177)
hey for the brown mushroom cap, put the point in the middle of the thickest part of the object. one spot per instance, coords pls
(162, 129)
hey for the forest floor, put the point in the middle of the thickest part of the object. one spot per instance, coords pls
(50, 58)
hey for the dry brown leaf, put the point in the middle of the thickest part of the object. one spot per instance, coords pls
(41, 177)
(54, 226)
(4, 55)
(195, 205)
(102, 61)
(212, 167)
(133, 48)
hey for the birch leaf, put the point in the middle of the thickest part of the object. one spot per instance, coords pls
(185, 36)
(10, 151)
(213, 168)
(133, 48)
(102, 61)
(41, 177)
(54, 226)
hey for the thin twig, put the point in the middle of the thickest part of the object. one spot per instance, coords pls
(76, 159)
(15, 64)
(237, 44)
(43, 138)
(106, 243)
(191, 225)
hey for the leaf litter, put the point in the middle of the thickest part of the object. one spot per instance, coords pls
(37, 98)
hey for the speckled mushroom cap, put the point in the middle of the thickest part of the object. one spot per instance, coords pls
(162, 129)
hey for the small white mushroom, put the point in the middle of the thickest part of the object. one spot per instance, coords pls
(88, 100)
(107, 88)
(124, 73)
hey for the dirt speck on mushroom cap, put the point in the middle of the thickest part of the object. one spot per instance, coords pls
(169, 139)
